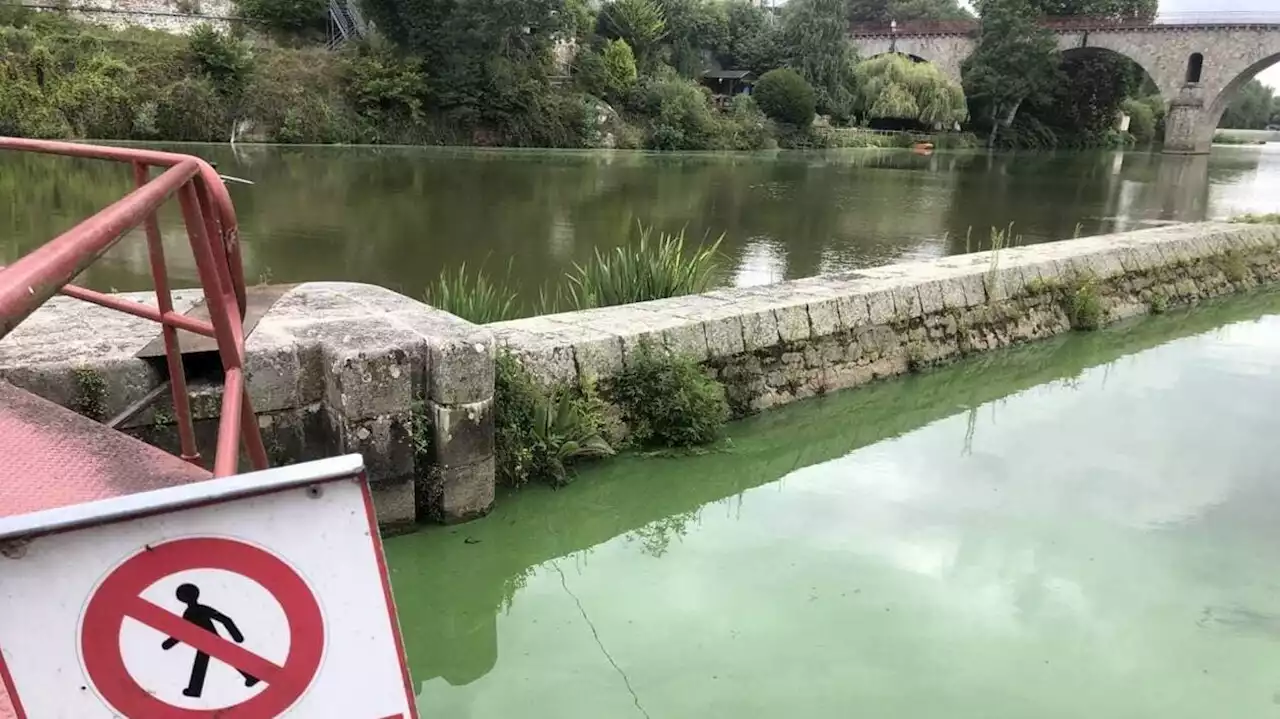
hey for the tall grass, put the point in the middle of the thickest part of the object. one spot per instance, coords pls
(474, 297)
(647, 269)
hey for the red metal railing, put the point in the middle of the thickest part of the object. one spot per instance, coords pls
(210, 223)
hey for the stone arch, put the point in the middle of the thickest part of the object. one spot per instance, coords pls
(1218, 104)
(944, 51)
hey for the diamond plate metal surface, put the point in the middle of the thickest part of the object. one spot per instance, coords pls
(52, 457)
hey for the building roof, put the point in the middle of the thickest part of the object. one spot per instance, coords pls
(727, 74)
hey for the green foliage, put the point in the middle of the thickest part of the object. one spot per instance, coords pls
(473, 296)
(894, 86)
(680, 112)
(287, 16)
(223, 58)
(692, 27)
(786, 97)
(669, 400)
(619, 67)
(1142, 121)
(1084, 304)
(641, 23)
(754, 39)
(539, 433)
(645, 270)
(882, 11)
(1117, 9)
(1272, 218)
(815, 32)
(1015, 61)
(386, 89)
(1252, 109)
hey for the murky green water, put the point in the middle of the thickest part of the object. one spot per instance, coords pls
(397, 216)
(1081, 528)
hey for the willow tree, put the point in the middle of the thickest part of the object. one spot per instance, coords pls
(894, 86)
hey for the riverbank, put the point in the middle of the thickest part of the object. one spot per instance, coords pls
(364, 369)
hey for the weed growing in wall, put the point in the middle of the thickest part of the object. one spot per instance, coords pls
(1084, 304)
(669, 400)
(90, 394)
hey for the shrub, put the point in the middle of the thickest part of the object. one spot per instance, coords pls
(538, 433)
(1084, 305)
(645, 270)
(786, 97)
(223, 58)
(669, 400)
(619, 67)
(1142, 121)
(1267, 219)
(385, 88)
(191, 110)
(680, 113)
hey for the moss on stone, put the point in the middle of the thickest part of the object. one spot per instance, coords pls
(90, 397)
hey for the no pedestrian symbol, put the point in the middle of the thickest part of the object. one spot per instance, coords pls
(201, 626)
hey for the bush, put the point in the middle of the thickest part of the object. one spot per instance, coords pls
(223, 58)
(538, 433)
(1142, 121)
(190, 110)
(785, 96)
(669, 400)
(619, 68)
(287, 16)
(680, 114)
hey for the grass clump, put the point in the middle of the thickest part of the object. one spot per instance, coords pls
(648, 269)
(669, 400)
(1233, 266)
(1270, 218)
(1084, 305)
(473, 296)
(540, 432)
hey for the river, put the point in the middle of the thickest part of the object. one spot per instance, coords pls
(398, 216)
(1084, 527)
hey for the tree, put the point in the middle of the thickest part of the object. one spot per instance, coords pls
(785, 96)
(1117, 9)
(1016, 60)
(694, 27)
(619, 67)
(1251, 109)
(755, 39)
(641, 23)
(882, 11)
(893, 86)
(816, 32)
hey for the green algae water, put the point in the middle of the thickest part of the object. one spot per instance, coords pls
(1080, 528)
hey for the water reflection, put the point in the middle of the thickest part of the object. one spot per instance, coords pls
(396, 216)
(856, 473)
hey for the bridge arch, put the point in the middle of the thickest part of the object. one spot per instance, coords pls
(1218, 105)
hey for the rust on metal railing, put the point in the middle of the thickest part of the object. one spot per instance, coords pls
(210, 221)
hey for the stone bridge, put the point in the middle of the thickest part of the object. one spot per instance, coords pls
(1198, 67)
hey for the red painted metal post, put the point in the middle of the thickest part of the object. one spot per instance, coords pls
(172, 349)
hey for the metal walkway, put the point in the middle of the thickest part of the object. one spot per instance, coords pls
(52, 457)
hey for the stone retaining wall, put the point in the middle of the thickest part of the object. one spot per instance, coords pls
(332, 368)
(344, 367)
(175, 16)
(779, 343)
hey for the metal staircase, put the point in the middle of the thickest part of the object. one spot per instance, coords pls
(345, 23)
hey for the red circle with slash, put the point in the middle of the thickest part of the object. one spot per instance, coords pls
(120, 596)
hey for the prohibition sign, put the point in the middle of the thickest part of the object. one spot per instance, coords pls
(120, 596)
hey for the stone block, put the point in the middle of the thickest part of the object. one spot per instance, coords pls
(793, 322)
(853, 311)
(975, 289)
(881, 306)
(460, 369)
(824, 317)
(549, 362)
(688, 340)
(725, 337)
(368, 382)
(461, 434)
(759, 330)
(462, 492)
(931, 297)
(274, 370)
(906, 302)
(385, 442)
(395, 504)
(599, 357)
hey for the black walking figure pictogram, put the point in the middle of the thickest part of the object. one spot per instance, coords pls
(203, 616)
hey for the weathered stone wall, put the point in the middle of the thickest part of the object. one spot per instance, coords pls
(779, 343)
(332, 368)
(175, 16)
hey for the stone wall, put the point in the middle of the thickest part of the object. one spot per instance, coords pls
(175, 16)
(776, 344)
(332, 368)
(343, 367)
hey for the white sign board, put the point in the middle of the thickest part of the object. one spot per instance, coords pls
(256, 597)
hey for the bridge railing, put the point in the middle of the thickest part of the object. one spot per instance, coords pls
(963, 27)
(210, 223)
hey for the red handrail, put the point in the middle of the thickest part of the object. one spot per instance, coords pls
(210, 221)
